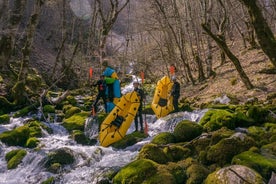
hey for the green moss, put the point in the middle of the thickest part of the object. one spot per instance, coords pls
(16, 137)
(259, 134)
(242, 120)
(153, 152)
(223, 152)
(129, 140)
(32, 142)
(63, 156)
(163, 138)
(80, 138)
(71, 100)
(48, 109)
(176, 153)
(50, 180)
(258, 114)
(25, 111)
(269, 149)
(264, 165)
(14, 158)
(76, 122)
(72, 111)
(4, 119)
(196, 174)
(216, 119)
(221, 134)
(136, 172)
(186, 131)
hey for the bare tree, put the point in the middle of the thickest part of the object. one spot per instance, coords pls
(265, 36)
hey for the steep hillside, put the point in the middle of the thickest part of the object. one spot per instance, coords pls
(227, 80)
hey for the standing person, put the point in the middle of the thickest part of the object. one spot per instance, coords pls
(175, 93)
(101, 92)
(140, 94)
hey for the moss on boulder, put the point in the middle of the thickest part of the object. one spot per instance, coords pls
(258, 114)
(15, 157)
(234, 174)
(186, 131)
(16, 137)
(32, 142)
(216, 118)
(4, 119)
(61, 156)
(176, 153)
(163, 138)
(73, 110)
(129, 140)
(196, 173)
(223, 152)
(153, 152)
(262, 164)
(76, 122)
(136, 172)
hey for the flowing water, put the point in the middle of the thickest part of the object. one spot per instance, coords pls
(91, 161)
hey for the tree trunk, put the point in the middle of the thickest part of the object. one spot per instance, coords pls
(222, 44)
(19, 91)
(264, 34)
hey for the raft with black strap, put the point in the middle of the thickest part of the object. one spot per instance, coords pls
(162, 103)
(118, 121)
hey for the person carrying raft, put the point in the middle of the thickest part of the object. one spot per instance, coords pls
(139, 116)
(101, 85)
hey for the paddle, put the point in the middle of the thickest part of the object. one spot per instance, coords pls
(146, 125)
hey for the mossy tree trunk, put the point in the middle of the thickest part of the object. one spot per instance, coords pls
(222, 44)
(19, 91)
(10, 17)
(264, 34)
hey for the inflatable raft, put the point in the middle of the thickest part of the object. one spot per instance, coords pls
(162, 103)
(118, 121)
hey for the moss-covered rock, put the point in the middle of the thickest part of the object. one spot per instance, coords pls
(16, 137)
(223, 152)
(48, 109)
(15, 157)
(80, 138)
(186, 131)
(4, 119)
(136, 172)
(234, 174)
(262, 164)
(163, 138)
(71, 99)
(242, 120)
(72, 111)
(269, 148)
(215, 119)
(76, 122)
(258, 114)
(260, 135)
(153, 152)
(196, 173)
(129, 140)
(176, 153)
(32, 142)
(59, 158)
(221, 134)
(170, 173)
(50, 180)
(24, 111)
